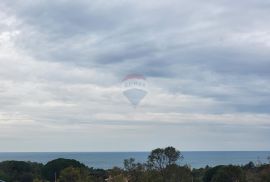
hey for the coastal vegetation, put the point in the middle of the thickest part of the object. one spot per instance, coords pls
(163, 165)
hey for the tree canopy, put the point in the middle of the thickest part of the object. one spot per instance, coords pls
(54, 167)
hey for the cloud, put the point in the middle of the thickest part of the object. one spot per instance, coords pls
(61, 64)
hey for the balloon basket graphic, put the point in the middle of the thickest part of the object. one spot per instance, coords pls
(134, 88)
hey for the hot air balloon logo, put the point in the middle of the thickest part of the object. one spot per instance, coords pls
(134, 88)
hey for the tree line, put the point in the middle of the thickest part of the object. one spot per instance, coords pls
(163, 165)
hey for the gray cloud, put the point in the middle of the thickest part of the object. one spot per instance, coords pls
(61, 63)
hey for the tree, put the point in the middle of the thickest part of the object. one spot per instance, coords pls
(229, 174)
(99, 174)
(116, 175)
(3, 176)
(197, 174)
(72, 174)
(36, 169)
(172, 155)
(118, 178)
(160, 158)
(16, 171)
(129, 164)
(55, 166)
(209, 174)
(250, 165)
(135, 171)
(178, 173)
(26, 177)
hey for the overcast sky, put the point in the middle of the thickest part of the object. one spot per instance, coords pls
(207, 64)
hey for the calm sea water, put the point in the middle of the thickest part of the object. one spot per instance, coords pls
(107, 160)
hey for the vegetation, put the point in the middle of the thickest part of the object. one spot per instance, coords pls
(163, 165)
(53, 168)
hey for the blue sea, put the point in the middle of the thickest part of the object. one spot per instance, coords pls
(108, 160)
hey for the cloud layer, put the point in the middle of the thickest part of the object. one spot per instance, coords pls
(62, 62)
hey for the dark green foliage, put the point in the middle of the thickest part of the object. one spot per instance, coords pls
(72, 174)
(177, 173)
(210, 173)
(17, 171)
(229, 174)
(3, 176)
(54, 167)
(98, 174)
(225, 174)
(36, 169)
(198, 174)
(249, 166)
(26, 177)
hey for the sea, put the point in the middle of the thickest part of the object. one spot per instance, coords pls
(107, 160)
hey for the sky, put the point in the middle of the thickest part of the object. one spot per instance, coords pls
(207, 64)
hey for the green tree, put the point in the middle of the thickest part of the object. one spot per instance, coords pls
(250, 165)
(55, 166)
(175, 173)
(172, 155)
(209, 174)
(197, 174)
(129, 164)
(26, 177)
(36, 169)
(70, 174)
(3, 176)
(99, 174)
(116, 174)
(16, 171)
(160, 158)
(135, 171)
(229, 174)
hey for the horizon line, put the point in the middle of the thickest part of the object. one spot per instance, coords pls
(131, 151)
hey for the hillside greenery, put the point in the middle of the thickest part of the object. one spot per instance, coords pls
(163, 165)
